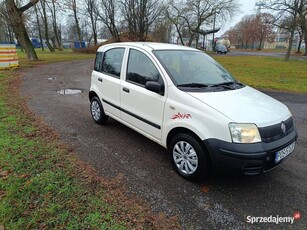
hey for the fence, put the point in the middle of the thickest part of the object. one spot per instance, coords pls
(8, 56)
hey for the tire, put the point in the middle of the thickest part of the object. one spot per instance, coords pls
(97, 111)
(188, 157)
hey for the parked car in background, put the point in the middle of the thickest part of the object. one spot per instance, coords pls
(185, 101)
(220, 48)
(36, 43)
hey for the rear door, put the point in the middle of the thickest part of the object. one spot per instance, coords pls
(141, 108)
(108, 80)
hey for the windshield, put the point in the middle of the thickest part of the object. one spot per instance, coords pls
(189, 68)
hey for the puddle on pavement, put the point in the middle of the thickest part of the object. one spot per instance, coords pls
(70, 91)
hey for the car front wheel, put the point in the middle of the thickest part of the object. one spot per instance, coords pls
(97, 111)
(188, 157)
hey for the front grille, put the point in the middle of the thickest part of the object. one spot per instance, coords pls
(275, 132)
(253, 170)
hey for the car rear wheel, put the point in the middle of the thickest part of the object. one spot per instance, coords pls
(188, 157)
(97, 111)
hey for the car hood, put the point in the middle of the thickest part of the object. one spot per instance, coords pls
(245, 105)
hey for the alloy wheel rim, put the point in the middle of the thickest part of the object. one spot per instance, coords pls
(95, 110)
(185, 157)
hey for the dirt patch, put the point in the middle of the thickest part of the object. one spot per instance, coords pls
(131, 210)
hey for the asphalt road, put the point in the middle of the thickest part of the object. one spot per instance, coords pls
(265, 54)
(222, 202)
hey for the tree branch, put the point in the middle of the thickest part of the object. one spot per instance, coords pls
(28, 5)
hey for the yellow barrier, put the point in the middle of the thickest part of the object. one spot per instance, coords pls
(8, 56)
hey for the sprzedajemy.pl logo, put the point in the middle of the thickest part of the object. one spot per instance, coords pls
(273, 219)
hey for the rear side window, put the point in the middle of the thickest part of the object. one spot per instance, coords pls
(141, 69)
(112, 61)
(98, 61)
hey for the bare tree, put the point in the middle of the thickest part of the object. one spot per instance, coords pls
(91, 10)
(43, 5)
(198, 12)
(245, 28)
(176, 14)
(287, 17)
(57, 41)
(264, 29)
(235, 36)
(108, 16)
(162, 28)
(17, 23)
(6, 33)
(72, 5)
(303, 22)
(300, 41)
(39, 27)
(140, 15)
(253, 30)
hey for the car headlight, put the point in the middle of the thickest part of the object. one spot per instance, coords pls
(244, 133)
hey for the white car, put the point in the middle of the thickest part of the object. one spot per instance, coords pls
(185, 101)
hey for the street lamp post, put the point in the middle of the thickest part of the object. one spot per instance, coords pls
(213, 44)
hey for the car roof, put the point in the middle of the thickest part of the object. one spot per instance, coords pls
(149, 46)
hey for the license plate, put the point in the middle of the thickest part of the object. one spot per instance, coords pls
(284, 152)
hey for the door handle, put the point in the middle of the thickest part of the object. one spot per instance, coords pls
(126, 90)
(100, 79)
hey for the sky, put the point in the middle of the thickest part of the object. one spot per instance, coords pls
(247, 7)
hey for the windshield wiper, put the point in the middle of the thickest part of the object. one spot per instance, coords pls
(227, 84)
(193, 85)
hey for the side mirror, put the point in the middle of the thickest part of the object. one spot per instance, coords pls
(155, 87)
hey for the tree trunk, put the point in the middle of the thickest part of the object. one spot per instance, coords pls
(94, 29)
(10, 33)
(39, 29)
(55, 27)
(197, 40)
(299, 43)
(260, 44)
(43, 5)
(19, 28)
(287, 57)
(179, 34)
(191, 39)
(304, 31)
(77, 23)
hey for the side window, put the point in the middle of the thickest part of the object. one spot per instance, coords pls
(112, 61)
(141, 69)
(98, 61)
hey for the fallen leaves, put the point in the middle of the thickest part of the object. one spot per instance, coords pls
(5, 173)
(205, 189)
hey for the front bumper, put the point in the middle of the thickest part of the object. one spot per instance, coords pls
(251, 159)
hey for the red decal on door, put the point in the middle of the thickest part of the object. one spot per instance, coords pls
(181, 116)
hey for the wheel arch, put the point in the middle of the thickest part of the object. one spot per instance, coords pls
(92, 94)
(178, 130)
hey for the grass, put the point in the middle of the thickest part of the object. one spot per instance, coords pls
(43, 185)
(48, 57)
(267, 73)
(38, 185)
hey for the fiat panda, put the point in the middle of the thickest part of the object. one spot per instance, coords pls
(185, 101)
